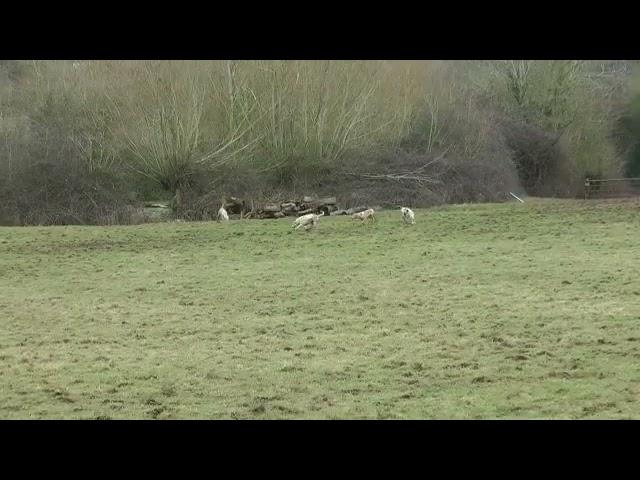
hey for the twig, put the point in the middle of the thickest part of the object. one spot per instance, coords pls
(516, 197)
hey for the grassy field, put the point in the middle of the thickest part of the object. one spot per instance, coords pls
(480, 311)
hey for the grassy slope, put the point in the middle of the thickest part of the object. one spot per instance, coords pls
(480, 311)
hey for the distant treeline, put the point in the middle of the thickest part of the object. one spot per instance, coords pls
(87, 141)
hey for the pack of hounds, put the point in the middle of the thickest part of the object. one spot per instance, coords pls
(311, 220)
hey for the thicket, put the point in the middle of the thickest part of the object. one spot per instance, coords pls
(88, 141)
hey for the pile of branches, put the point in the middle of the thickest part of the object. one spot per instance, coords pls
(294, 208)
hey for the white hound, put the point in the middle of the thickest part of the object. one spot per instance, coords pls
(307, 221)
(222, 215)
(368, 214)
(408, 216)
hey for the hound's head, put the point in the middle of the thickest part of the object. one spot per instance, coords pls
(404, 209)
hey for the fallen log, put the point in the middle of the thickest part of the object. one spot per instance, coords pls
(263, 215)
(353, 210)
(271, 208)
(155, 205)
(320, 202)
(291, 212)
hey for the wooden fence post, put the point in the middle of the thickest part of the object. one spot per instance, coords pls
(586, 189)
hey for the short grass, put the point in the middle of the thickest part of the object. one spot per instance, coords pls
(481, 311)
